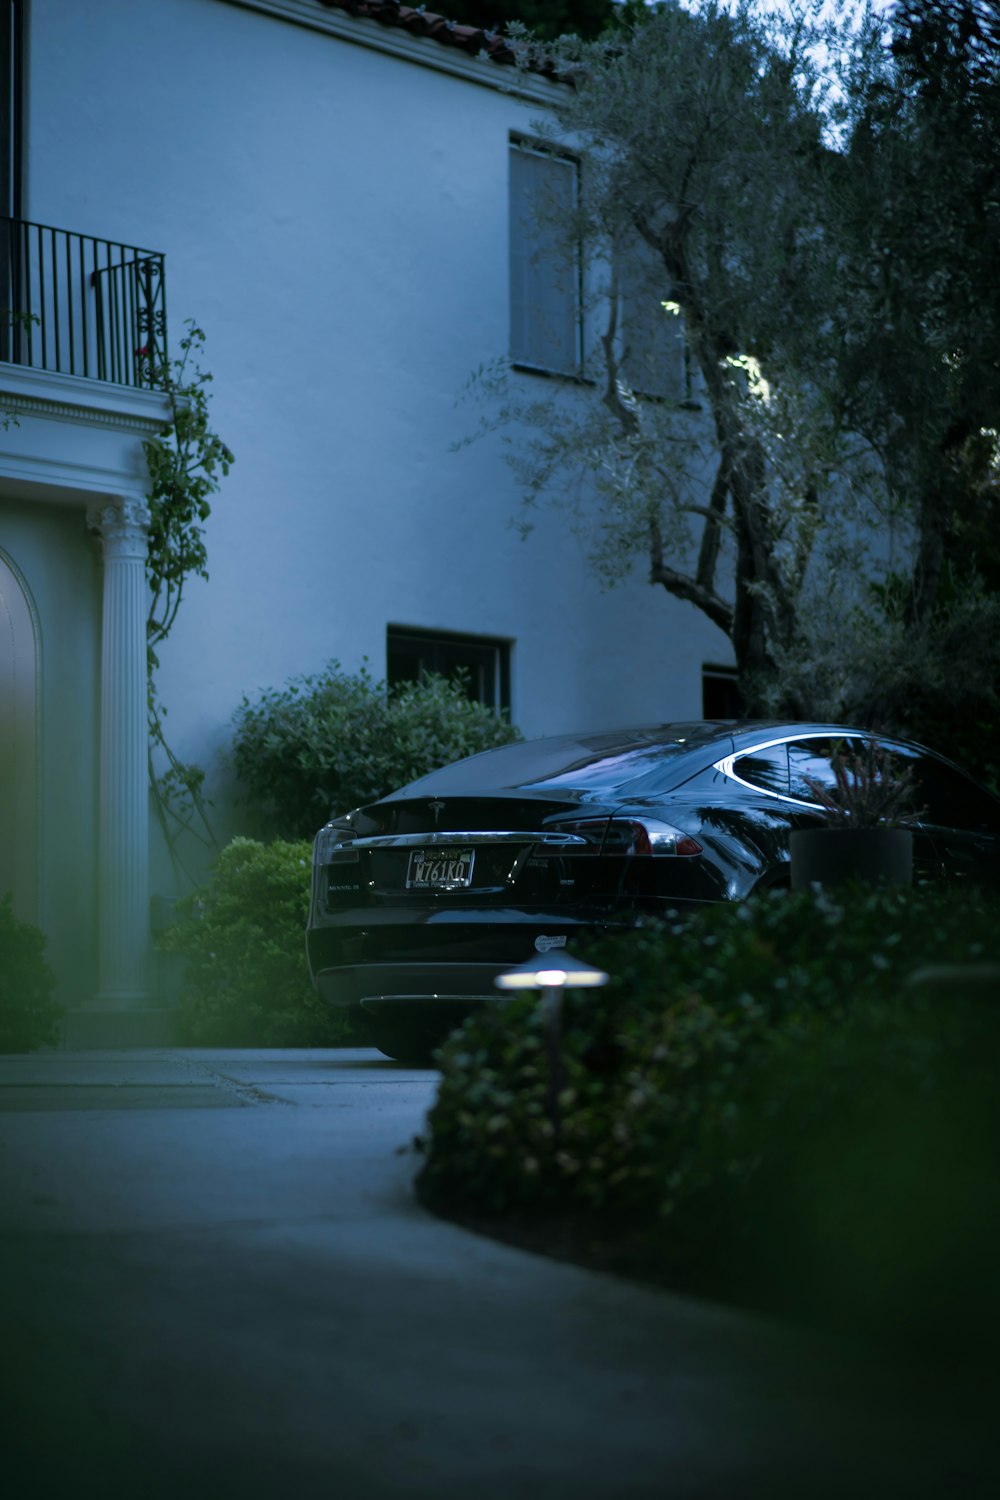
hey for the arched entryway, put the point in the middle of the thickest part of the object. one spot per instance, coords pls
(19, 669)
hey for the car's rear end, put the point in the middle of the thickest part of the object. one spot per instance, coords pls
(422, 899)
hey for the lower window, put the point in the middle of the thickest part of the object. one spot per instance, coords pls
(482, 663)
(720, 693)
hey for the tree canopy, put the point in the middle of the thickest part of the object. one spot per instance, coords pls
(921, 320)
(816, 200)
(546, 19)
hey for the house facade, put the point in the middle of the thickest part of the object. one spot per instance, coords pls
(334, 192)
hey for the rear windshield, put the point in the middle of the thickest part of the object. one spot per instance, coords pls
(587, 762)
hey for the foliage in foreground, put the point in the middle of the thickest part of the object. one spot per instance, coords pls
(243, 935)
(757, 1095)
(29, 1016)
(327, 743)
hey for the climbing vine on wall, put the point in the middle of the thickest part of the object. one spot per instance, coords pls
(187, 462)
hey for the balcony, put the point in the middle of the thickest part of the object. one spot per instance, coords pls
(71, 304)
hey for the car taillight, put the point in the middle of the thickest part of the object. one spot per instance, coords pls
(334, 841)
(648, 837)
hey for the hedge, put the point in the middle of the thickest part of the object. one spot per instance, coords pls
(29, 1015)
(757, 1100)
(242, 935)
(328, 743)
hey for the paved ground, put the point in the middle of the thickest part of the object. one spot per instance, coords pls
(216, 1282)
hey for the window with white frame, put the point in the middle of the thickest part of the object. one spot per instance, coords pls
(545, 331)
(652, 336)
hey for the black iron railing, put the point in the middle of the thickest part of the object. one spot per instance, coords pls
(81, 306)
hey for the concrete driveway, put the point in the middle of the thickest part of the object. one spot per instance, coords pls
(216, 1281)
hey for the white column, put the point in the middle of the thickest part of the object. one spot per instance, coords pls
(123, 846)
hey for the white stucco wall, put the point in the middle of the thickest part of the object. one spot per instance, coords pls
(336, 220)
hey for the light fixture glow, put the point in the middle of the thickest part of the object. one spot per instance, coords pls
(540, 974)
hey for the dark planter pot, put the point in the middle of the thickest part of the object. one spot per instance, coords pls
(835, 856)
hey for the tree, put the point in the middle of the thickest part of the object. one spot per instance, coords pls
(920, 235)
(547, 19)
(914, 352)
(704, 144)
(816, 201)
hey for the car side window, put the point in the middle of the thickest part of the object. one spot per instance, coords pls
(812, 760)
(950, 799)
(767, 769)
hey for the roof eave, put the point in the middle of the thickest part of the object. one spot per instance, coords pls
(424, 51)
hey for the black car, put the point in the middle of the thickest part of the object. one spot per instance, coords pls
(421, 899)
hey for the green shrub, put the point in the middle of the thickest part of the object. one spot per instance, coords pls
(29, 1016)
(243, 935)
(856, 1171)
(727, 1089)
(328, 743)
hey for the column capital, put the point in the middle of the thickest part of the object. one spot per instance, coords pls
(123, 526)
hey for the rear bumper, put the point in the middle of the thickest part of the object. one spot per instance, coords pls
(457, 986)
(393, 952)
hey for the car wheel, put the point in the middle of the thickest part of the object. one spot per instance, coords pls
(403, 1043)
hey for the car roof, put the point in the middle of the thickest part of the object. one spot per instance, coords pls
(621, 760)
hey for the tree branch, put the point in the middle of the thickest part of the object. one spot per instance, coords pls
(708, 555)
(686, 588)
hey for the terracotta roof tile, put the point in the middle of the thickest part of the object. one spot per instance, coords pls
(427, 23)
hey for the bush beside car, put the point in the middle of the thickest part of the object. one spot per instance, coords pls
(242, 935)
(328, 743)
(320, 745)
(757, 1106)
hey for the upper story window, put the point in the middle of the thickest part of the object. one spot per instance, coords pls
(652, 337)
(483, 662)
(545, 331)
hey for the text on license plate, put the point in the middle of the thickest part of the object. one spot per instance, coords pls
(433, 870)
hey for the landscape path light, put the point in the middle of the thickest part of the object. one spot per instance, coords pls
(552, 973)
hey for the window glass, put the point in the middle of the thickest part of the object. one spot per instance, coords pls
(949, 799)
(544, 270)
(767, 769)
(482, 662)
(812, 760)
(720, 693)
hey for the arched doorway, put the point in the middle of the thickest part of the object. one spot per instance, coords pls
(19, 652)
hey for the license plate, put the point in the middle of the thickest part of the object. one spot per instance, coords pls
(440, 870)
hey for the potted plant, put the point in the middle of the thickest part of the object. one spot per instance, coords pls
(868, 834)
